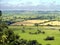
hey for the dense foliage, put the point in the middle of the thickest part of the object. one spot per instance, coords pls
(7, 36)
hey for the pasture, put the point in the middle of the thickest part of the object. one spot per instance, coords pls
(24, 26)
(39, 37)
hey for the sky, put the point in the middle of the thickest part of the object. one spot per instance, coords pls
(30, 5)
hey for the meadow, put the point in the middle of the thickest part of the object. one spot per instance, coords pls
(35, 26)
(39, 37)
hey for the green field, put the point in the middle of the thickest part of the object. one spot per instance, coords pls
(39, 37)
(50, 26)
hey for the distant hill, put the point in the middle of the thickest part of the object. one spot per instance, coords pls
(23, 11)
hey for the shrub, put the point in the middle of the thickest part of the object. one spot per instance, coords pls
(39, 31)
(43, 32)
(33, 42)
(49, 38)
(47, 44)
(23, 31)
(59, 29)
(49, 25)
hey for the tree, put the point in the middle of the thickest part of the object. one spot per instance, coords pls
(7, 36)
(0, 15)
(3, 27)
(36, 24)
(0, 12)
(23, 28)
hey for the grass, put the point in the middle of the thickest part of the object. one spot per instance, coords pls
(39, 37)
(49, 31)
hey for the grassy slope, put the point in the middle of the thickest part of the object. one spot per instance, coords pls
(39, 37)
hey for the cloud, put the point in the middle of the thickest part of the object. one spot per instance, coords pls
(30, 4)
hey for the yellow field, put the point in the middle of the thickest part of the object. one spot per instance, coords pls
(52, 23)
(29, 22)
(32, 22)
(36, 21)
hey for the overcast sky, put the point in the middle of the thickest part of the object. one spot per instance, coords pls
(29, 4)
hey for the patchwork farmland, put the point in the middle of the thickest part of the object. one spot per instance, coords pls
(31, 28)
(40, 22)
